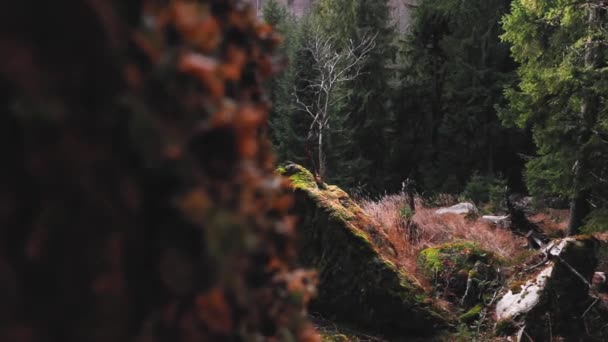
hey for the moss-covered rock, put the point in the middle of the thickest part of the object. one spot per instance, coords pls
(458, 270)
(358, 283)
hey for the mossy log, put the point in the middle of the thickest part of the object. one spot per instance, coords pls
(357, 283)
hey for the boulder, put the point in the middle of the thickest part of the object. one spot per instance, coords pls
(498, 221)
(549, 298)
(358, 284)
(523, 203)
(459, 209)
(461, 271)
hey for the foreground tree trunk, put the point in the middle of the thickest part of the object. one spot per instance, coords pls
(138, 198)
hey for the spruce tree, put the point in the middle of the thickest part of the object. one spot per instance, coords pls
(361, 138)
(370, 101)
(286, 131)
(453, 70)
(561, 46)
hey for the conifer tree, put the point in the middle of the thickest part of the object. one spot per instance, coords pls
(276, 15)
(360, 141)
(288, 127)
(454, 68)
(561, 94)
(370, 101)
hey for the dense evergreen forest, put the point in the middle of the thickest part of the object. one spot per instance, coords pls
(298, 170)
(474, 96)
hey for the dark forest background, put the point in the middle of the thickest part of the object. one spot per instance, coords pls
(474, 99)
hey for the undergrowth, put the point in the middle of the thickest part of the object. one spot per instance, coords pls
(426, 229)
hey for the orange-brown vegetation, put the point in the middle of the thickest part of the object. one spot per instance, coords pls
(359, 282)
(553, 222)
(431, 229)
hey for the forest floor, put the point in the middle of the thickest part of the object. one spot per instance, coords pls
(432, 230)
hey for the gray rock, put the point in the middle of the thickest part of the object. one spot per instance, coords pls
(499, 221)
(459, 209)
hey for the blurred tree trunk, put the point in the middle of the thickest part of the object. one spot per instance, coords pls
(138, 199)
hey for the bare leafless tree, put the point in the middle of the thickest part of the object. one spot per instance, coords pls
(333, 67)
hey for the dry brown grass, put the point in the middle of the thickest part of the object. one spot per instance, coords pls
(435, 229)
(552, 221)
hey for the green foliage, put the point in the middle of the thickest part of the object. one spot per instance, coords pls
(426, 111)
(453, 70)
(597, 222)
(477, 188)
(471, 315)
(486, 190)
(275, 14)
(337, 17)
(288, 127)
(357, 140)
(560, 94)
(406, 213)
(362, 134)
(550, 175)
(452, 258)
(497, 193)
(370, 101)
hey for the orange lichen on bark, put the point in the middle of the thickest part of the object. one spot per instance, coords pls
(139, 199)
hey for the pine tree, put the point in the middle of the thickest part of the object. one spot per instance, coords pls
(561, 46)
(454, 67)
(371, 113)
(275, 14)
(360, 141)
(337, 18)
(287, 131)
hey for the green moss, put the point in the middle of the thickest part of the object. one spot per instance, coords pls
(341, 213)
(361, 235)
(430, 259)
(358, 284)
(450, 267)
(453, 257)
(471, 315)
(300, 177)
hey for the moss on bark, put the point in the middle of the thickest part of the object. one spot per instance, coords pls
(357, 282)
